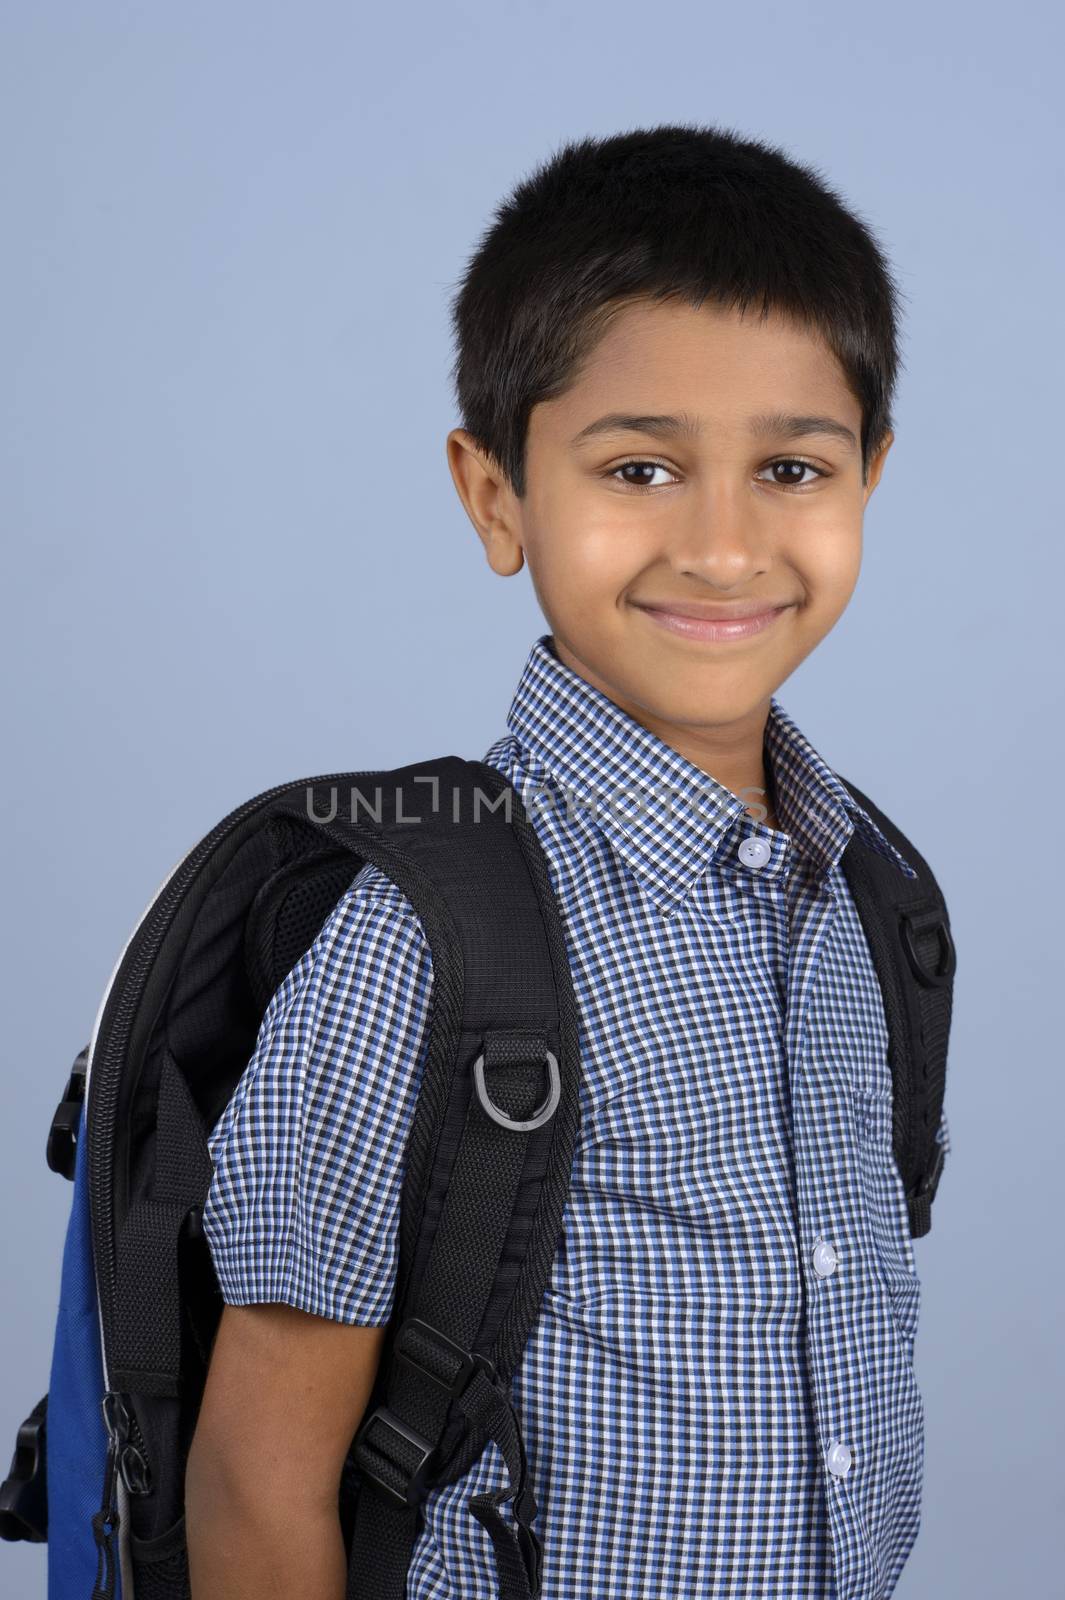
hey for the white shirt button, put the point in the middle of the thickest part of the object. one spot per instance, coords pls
(838, 1459)
(754, 852)
(825, 1258)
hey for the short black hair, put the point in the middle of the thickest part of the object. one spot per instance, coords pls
(676, 210)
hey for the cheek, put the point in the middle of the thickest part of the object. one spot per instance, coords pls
(829, 561)
(583, 560)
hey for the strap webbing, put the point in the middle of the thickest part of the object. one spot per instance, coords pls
(462, 1267)
(146, 1344)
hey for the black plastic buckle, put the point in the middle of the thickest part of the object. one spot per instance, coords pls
(63, 1134)
(24, 1492)
(467, 1362)
(914, 925)
(373, 1441)
(383, 1434)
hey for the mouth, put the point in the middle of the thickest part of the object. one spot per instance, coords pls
(740, 621)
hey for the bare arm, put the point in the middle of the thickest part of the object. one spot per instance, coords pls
(285, 1393)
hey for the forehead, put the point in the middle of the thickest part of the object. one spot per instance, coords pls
(719, 366)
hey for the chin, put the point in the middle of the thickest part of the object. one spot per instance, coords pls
(677, 698)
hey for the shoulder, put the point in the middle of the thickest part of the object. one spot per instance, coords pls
(373, 933)
(370, 887)
(357, 1000)
(303, 1206)
(343, 1038)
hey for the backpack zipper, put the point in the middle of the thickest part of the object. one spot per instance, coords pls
(126, 1449)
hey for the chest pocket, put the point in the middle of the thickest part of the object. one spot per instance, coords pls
(889, 1238)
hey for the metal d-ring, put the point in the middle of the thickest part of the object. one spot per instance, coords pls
(914, 924)
(542, 1114)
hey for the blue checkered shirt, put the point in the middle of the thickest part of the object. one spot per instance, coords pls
(718, 1398)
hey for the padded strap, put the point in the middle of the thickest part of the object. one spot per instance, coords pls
(908, 929)
(394, 1444)
(482, 1198)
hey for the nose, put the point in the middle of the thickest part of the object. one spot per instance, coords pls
(723, 544)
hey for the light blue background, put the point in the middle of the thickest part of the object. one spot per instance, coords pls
(234, 556)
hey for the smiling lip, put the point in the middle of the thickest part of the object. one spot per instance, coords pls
(740, 620)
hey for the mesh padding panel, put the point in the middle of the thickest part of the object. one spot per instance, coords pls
(287, 915)
(161, 1566)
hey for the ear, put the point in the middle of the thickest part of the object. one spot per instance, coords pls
(876, 465)
(488, 499)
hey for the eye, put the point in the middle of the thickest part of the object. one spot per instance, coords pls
(793, 482)
(643, 466)
(795, 474)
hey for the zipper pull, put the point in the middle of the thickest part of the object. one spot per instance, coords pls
(122, 1430)
(116, 1418)
(106, 1522)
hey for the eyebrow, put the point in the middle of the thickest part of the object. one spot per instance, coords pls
(770, 424)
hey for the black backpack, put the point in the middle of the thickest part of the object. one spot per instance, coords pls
(486, 1178)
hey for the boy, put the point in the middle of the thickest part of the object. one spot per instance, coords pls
(676, 357)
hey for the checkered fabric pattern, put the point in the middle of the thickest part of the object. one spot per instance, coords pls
(719, 1397)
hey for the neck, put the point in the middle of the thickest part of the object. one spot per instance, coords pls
(733, 753)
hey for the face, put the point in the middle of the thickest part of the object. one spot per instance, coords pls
(669, 496)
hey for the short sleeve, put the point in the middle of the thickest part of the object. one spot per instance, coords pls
(303, 1206)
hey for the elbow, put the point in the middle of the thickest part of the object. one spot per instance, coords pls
(248, 1488)
(247, 1536)
(210, 1488)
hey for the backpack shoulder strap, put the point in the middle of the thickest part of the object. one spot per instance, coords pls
(488, 1160)
(908, 928)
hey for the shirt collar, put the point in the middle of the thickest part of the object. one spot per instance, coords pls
(663, 815)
